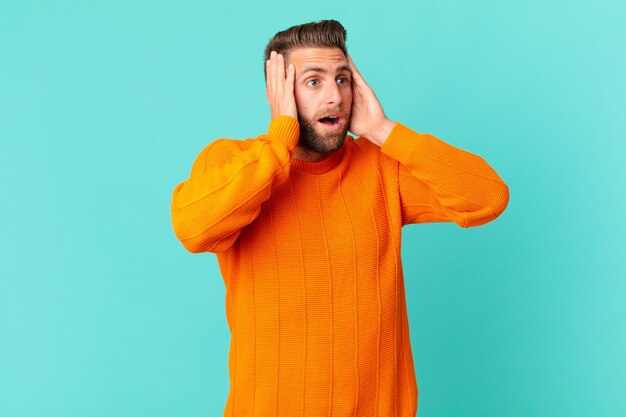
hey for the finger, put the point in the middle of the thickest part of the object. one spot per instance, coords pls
(356, 75)
(290, 81)
(353, 67)
(280, 61)
(273, 70)
(267, 79)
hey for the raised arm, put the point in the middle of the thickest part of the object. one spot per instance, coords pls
(230, 179)
(437, 181)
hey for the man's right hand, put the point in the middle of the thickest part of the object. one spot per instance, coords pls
(280, 87)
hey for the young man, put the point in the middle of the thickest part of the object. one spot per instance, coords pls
(306, 224)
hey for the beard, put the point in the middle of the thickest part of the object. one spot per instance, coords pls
(313, 140)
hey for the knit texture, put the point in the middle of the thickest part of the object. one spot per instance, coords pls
(310, 257)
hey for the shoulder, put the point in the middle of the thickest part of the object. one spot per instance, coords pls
(221, 150)
(228, 145)
(363, 148)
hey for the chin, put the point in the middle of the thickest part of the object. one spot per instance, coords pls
(324, 143)
(322, 138)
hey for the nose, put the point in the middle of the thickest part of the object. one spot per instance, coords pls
(333, 95)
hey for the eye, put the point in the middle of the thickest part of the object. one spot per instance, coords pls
(312, 83)
(343, 80)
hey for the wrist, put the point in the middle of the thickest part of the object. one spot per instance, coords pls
(382, 132)
(286, 130)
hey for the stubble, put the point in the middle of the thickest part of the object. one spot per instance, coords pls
(313, 140)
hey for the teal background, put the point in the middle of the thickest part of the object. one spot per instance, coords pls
(104, 106)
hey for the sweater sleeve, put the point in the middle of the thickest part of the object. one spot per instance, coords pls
(439, 182)
(229, 181)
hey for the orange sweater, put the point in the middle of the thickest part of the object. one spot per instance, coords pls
(310, 256)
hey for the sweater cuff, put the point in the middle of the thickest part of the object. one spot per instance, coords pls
(286, 130)
(401, 143)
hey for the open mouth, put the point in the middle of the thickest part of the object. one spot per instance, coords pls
(330, 120)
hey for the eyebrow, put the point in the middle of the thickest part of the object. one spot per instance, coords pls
(324, 71)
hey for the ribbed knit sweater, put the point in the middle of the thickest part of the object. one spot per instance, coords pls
(310, 257)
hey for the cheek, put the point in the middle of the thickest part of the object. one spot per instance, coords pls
(347, 98)
(303, 103)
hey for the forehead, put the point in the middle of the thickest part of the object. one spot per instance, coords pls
(329, 58)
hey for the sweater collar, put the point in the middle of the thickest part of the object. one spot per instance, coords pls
(324, 166)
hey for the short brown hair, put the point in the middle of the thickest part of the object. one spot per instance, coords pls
(321, 34)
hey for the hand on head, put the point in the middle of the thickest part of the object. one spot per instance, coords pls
(368, 117)
(280, 87)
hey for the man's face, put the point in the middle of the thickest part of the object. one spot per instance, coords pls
(323, 91)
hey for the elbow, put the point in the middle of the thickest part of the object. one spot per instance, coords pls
(184, 233)
(202, 232)
(497, 204)
(501, 200)
(192, 246)
(200, 245)
(206, 241)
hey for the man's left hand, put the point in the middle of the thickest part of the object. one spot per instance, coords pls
(368, 118)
